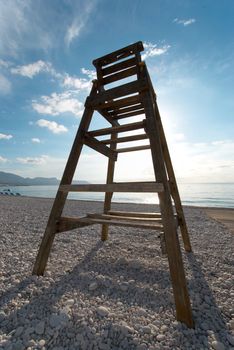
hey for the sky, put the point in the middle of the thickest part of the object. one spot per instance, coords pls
(46, 53)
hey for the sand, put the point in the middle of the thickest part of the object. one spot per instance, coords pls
(112, 295)
(224, 215)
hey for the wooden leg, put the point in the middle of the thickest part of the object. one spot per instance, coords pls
(173, 185)
(108, 195)
(60, 199)
(182, 302)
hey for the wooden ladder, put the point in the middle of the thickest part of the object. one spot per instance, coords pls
(125, 100)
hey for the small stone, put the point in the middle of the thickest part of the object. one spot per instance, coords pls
(19, 331)
(2, 316)
(160, 337)
(217, 345)
(18, 345)
(142, 347)
(102, 311)
(40, 327)
(41, 342)
(70, 302)
(124, 286)
(146, 330)
(141, 312)
(93, 286)
(164, 328)
(230, 338)
(125, 328)
(231, 324)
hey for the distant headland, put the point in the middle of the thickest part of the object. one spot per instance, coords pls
(9, 179)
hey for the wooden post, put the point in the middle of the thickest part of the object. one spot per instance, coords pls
(109, 179)
(60, 199)
(182, 302)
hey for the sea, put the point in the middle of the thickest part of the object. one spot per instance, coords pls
(195, 194)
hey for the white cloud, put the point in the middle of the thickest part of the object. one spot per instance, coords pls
(5, 137)
(77, 83)
(36, 140)
(5, 85)
(32, 69)
(184, 22)
(32, 160)
(3, 160)
(90, 73)
(56, 104)
(52, 126)
(152, 50)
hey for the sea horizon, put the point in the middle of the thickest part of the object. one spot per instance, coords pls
(192, 194)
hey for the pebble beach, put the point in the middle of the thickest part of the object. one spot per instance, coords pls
(112, 295)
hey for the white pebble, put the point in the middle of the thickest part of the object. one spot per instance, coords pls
(217, 345)
(160, 337)
(102, 311)
(93, 286)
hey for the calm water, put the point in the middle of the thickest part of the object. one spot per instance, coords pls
(210, 195)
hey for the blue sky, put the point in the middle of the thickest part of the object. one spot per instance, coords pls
(46, 53)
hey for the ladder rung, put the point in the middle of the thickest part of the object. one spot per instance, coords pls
(69, 223)
(123, 102)
(130, 114)
(126, 139)
(117, 129)
(125, 218)
(119, 66)
(115, 187)
(143, 225)
(132, 149)
(119, 54)
(116, 92)
(120, 75)
(118, 111)
(134, 214)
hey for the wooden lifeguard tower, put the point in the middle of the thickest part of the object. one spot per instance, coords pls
(115, 104)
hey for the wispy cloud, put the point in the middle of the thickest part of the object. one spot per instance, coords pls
(28, 24)
(56, 104)
(32, 160)
(36, 140)
(32, 69)
(3, 160)
(79, 22)
(5, 137)
(52, 126)
(152, 50)
(5, 85)
(184, 22)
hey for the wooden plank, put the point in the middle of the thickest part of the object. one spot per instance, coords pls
(136, 187)
(100, 147)
(127, 138)
(123, 102)
(69, 223)
(118, 111)
(125, 218)
(130, 114)
(151, 226)
(117, 129)
(119, 66)
(116, 92)
(119, 54)
(132, 149)
(134, 214)
(120, 75)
